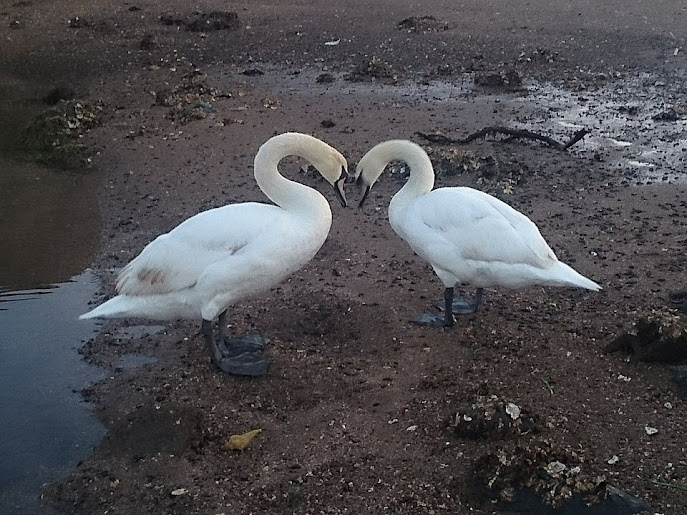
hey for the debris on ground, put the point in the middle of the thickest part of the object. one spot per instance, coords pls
(508, 78)
(669, 115)
(191, 99)
(540, 478)
(371, 69)
(79, 23)
(491, 416)
(554, 474)
(324, 78)
(422, 24)
(679, 300)
(659, 336)
(148, 42)
(202, 22)
(442, 70)
(53, 137)
(512, 134)
(453, 161)
(540, 55)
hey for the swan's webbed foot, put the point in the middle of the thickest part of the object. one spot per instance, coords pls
(246, 343)
(450, 305)
(240, 356)
(432, 320)
(246, 364)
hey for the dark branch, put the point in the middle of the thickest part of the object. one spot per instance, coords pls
(512, 134)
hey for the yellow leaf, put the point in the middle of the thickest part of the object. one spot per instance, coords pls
(240, 442)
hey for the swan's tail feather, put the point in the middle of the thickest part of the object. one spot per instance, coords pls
(117, 307)
(572, 278)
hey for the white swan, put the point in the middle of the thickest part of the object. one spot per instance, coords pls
(466, 235)
(223, 255)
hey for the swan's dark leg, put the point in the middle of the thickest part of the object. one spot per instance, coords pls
(451, 306)
(435, 321)
(463, 307)
(242, 356)
(449, 320)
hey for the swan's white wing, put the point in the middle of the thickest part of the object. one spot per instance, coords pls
(175, 261)
(461, 223)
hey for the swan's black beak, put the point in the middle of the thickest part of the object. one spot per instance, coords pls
(339, 188)
(360, 183)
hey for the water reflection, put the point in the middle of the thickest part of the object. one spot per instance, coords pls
(49, 230)
(49, 223)
(46, 428)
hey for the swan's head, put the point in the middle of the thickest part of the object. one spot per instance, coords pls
(370, 167)
(372, 164)
(333, 167)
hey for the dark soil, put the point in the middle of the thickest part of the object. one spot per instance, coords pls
(354, 411)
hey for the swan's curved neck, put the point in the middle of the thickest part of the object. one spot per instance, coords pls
(421, 180)
(287, 194)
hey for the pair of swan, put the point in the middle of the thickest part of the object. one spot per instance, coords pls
(221, 256)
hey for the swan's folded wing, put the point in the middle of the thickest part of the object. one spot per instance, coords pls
(174, 261)
(478, 231)
(164, 266)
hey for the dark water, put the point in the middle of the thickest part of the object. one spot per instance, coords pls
(49, 229)
(49, 222)
(46, 428)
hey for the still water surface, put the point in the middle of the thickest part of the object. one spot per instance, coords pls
(49, 226)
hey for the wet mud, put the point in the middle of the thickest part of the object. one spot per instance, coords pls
(355, 407)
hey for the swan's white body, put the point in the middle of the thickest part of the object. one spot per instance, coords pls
(466, 235)
(223, 255)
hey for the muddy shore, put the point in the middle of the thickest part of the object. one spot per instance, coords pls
(356, 410)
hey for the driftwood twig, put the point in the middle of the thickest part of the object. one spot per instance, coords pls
(512, 134)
